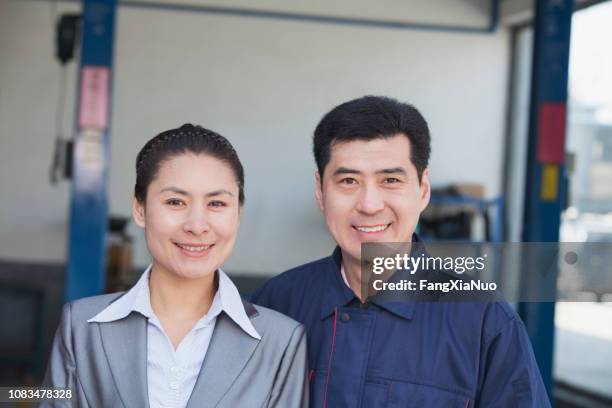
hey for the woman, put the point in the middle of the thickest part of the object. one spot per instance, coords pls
(182, 336)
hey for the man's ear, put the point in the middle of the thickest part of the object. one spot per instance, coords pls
(319, 190)
(138, 212)
(425, 189)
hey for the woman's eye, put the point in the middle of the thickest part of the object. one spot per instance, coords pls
(217, 204)
(175, 202)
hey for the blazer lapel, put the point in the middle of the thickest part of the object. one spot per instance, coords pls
(229, 351)
(125, 345)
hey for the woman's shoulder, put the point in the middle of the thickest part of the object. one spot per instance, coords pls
(271, 322)
(81, 310)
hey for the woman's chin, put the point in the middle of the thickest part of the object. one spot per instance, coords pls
(193, 272)
(181, 269)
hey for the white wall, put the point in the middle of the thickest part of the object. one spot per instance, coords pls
(33, 215)
(262, 83)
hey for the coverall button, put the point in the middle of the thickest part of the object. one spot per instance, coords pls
(346, 317)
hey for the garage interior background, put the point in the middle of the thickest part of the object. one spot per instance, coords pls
(264, 80)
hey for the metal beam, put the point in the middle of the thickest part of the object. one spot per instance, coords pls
(314, 18)
(88, 206)
(546, 172)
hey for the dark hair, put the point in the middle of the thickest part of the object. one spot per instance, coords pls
(186, 139)
(368, 118)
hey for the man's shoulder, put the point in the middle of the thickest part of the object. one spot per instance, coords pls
(308, 273)
(487, 313)
(486, 306)
(492, 317)
(283, 290)
(500, 316)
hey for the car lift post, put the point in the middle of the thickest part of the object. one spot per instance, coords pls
(546, 171)
(86, 272)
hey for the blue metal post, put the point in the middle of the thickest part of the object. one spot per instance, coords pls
(88, 208)
(545, 189)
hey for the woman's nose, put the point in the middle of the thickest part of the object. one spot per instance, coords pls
(196, 222)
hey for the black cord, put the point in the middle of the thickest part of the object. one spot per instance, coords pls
(56, 164)
(58, 149)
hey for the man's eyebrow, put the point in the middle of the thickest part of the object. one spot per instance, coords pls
(393, 170)
(345, 170)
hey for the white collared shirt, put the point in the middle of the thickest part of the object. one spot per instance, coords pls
(344, 276)
(172, 374)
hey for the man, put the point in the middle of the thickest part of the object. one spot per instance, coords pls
(372, 182)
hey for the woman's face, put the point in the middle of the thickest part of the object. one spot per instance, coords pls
(191, 215)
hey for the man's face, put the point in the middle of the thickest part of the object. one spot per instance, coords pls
(370, 192)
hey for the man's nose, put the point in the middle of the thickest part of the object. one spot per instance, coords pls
(197, 221)
(371, 200)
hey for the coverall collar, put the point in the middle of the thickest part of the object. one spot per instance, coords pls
(338, 294)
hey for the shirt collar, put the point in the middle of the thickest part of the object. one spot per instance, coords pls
(134, 300)
(227, 299)
(338, 293)
(231, 304)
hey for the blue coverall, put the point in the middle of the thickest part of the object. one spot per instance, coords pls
(405, 354)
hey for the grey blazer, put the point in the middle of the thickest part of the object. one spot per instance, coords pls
(105, 364)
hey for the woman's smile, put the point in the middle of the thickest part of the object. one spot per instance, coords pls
(194, 250)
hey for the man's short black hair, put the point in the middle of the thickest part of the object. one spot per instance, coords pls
(368, 118)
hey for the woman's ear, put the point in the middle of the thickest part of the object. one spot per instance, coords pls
(138, 212)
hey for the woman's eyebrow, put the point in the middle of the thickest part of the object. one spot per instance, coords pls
(218, 192)
(215, 193)
(174, 190)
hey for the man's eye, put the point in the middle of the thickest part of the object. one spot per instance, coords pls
(348, 180)
(392, 180)
(217, 204)
(175, 202)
